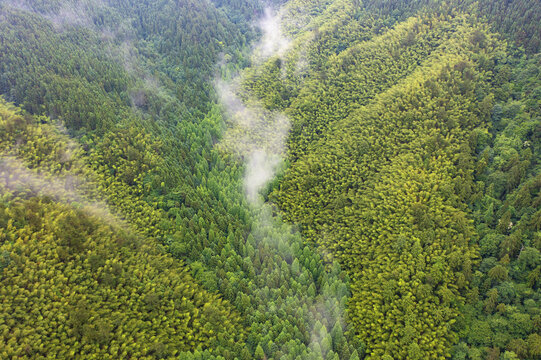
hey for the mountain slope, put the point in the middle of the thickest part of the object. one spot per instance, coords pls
(138, 217)
(76, 279)
(385, 147)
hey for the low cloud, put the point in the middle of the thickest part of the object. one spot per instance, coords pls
(260, 169)
(256, 135)
(273, 41)
(16, 178)
(65, 15)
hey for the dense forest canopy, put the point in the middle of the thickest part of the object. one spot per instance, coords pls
(288, 179)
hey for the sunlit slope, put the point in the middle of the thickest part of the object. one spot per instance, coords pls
(360, 144)
(382, 167)
(414, 141)
(332, 86)
(78, 281)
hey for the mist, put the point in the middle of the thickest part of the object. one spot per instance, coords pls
(260, 169)
(70, 15)
(17, 179)
(255, 134)
(258, 137)
(67, 15)
(273, 42)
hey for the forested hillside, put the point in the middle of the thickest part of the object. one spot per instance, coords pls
(302, 179)
(402, 170)
(76, 278)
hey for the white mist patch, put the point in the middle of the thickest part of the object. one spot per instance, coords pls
(70, 15)
(238, 113)
(16, 178)
(260, 169)
(273, 42)
(67, 15)
(256, 135)
(18, 5)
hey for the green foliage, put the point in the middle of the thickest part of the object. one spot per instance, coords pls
(389, 172)
(413, 164)
(155, 166)
(508, 185)
(383, 190)
(76, 280)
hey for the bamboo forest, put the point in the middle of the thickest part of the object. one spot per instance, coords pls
(270, 179)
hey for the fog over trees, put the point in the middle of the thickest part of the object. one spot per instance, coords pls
(299, 179)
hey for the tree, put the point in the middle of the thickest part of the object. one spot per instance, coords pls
(259, 353)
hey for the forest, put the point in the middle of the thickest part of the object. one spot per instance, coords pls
(270, 179)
